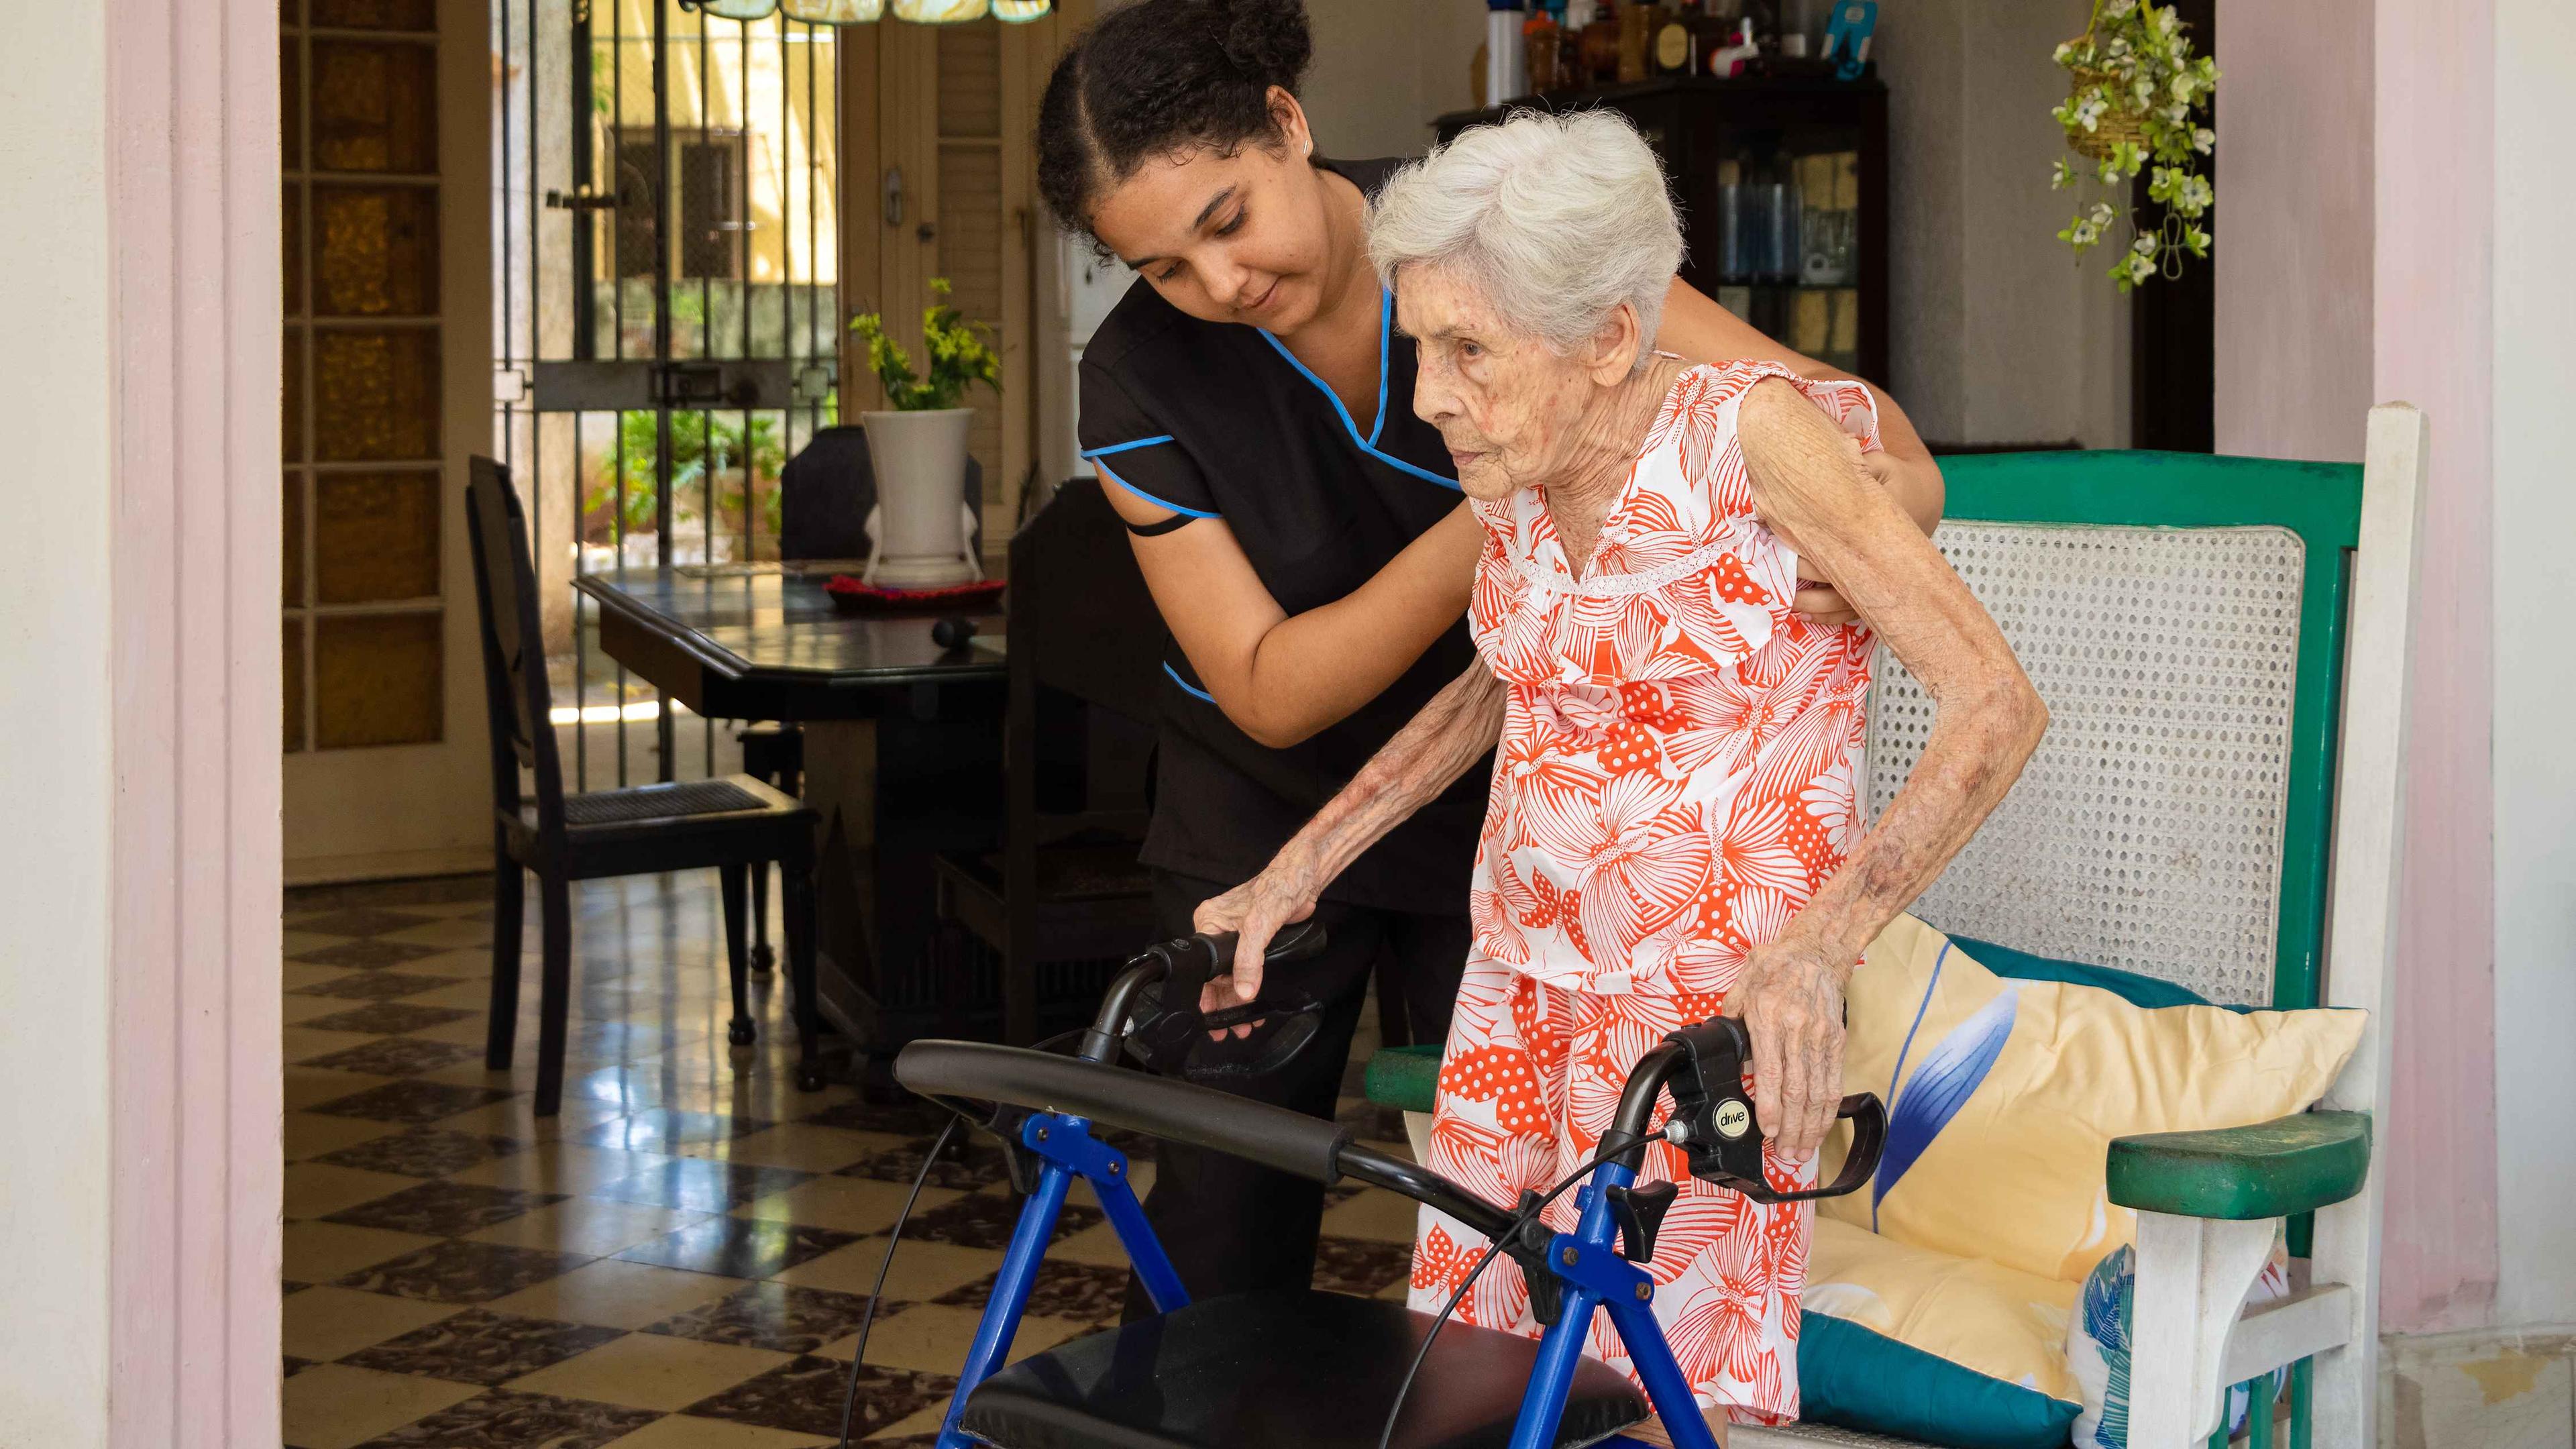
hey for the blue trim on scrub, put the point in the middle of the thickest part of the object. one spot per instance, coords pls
(1148, 497)
(1368, 445)
(1186, 686)
(1123, 447)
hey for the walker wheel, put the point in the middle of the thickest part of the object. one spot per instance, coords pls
(741, 1033)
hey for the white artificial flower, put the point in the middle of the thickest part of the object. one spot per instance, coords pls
(2102, 213)
(2085, 234)
(2202, 138)
(2144, 246)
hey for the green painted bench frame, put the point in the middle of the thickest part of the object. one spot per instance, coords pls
(2211, 1203)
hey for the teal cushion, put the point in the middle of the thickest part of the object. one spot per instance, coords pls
(2129, 986)
(1853, 1378)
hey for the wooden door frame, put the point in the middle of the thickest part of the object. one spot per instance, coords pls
(195, 1059)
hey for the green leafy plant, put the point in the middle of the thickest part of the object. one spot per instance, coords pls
(703, 445)
(2139, 106)
(959, 356)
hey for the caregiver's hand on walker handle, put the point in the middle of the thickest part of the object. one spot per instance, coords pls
(1790, 998)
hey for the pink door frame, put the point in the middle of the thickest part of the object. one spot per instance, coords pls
(197, 1065)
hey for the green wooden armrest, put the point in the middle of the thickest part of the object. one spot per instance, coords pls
(2268, 1170)
(1404, 1077)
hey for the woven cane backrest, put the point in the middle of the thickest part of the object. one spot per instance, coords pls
(2165, 820)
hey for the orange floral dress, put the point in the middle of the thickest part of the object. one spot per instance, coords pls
(1674, 780)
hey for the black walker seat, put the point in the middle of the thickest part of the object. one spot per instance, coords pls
(1296, 1370)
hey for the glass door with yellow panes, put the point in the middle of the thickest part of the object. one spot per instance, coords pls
(387, 360)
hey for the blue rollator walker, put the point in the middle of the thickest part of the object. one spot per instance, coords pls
(1307, 1368)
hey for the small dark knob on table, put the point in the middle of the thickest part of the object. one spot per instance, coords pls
(953, 633)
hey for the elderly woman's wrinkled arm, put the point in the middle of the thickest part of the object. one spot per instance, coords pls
(1451, 733)
(1810, 489)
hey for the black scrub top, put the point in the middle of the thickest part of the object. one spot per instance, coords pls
(1217, 420)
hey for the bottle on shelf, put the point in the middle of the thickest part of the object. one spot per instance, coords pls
(1541, 35)
(1676, 50)
(1636, 39)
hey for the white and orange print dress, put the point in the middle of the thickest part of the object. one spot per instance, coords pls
(1674, 780)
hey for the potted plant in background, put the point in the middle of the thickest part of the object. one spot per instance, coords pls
(2139, 106)
(921, 534)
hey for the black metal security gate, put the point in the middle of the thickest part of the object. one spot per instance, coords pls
(665, 278)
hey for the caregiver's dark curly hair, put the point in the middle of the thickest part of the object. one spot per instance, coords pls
(1158, 77)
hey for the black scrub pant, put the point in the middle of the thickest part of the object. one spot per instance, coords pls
(1232, 1227)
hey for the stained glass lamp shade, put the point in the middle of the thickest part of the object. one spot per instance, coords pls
(1021, 11)
(835, 12)
(941, 12)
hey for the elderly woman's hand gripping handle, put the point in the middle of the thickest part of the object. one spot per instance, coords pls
(1451, 733)
(1810, 488)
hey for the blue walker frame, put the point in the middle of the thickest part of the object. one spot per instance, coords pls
(1586, 1262)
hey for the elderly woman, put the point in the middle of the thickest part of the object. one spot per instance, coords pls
(1670, 831)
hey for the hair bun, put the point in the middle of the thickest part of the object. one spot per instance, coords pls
(1266, 39)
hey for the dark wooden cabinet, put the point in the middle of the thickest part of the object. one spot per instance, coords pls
(1782, 183)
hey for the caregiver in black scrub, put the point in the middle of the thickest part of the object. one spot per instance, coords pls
(1250, 408)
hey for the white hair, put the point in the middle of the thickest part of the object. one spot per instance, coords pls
(1556, 220)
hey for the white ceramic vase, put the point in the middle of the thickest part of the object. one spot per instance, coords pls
(921, 533)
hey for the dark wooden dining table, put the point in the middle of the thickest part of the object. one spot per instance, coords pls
(900, 733)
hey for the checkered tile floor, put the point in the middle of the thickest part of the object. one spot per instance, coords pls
(677, 1261)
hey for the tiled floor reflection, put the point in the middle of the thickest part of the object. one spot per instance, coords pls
(677, 1261)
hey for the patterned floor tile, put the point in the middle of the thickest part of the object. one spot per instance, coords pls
(801, 1145)
(561, 1166)
(327, 1323)
(772, 1316)
(965, 1166)
(444, 1209)
(365, 955)
(289, 1365)
(372, 985)
(667, 1131)
(389, 1018)
(851, 1204)
(445, 934)
(301, 1044)
(503, 1420)
(318, 1252)
(1082, 1293)
(482, 1347)
(395, 1056)
(459, 1272)
(650, 1371)
(806, 1395)
(617, 1295)
(1353, 1265)
(921, 1271)
(587, 1225)
(359, 921)
(330, 1406)
(928, 1338)
(687, 1431)
(696, 1185)
(315, 1190)
(311, 1135)
(421, 1152)
(911, 1117)
(410, 1101)
(987, 1220)
(738, 1247)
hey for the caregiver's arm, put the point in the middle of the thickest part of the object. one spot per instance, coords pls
(1278, 676)
(1809, 487)
(1452, 732)
(1699, 329)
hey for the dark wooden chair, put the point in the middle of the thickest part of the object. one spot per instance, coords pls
(731, 823)
(1065, 886)
(773, 754)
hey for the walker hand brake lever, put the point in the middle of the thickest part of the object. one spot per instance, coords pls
(1168, 1027)
(1724, 1142)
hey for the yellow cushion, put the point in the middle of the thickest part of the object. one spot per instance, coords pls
(1906, 1341)
(2003, 1097)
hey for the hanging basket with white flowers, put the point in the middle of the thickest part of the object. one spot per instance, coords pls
(2139, 106)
